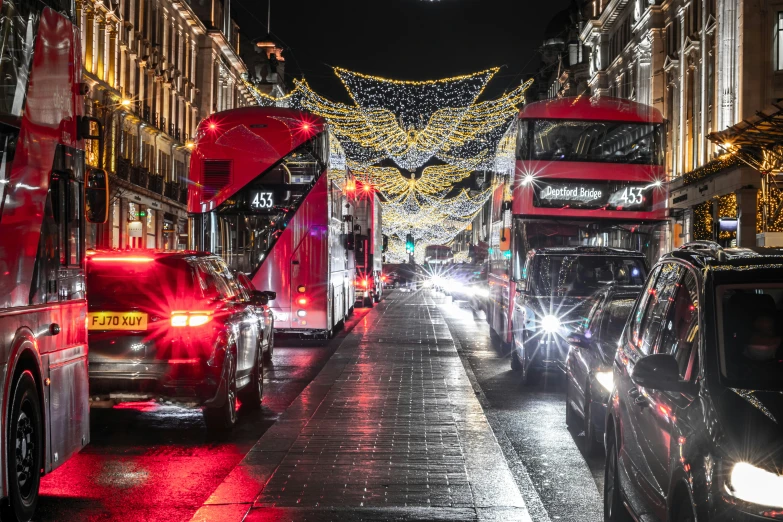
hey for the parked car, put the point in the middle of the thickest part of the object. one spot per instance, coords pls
(553, 298)
(174, 325)
(591, 350)
(260, 299)
(693, 429)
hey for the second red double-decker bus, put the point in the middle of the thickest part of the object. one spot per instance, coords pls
(267, 196)
(589, 174)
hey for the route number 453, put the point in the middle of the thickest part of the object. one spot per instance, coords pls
(262, 200)
(633, 196)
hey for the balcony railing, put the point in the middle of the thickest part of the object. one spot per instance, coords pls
(155, 183)
(123, 169)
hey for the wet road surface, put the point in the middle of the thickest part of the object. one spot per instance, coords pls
(155, 462)
(529, 422)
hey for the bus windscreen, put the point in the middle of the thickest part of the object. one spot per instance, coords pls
(244, 228)
(595, 141)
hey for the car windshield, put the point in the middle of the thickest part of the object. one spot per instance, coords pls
(116, 285)
(582, 275)
(750, 316)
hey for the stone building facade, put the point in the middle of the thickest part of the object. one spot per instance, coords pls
(155, 68)
(706, 65)
(563, 70)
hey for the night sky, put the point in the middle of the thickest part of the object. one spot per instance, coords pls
(403, 39)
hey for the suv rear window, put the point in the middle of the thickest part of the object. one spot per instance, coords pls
(119, 285)
(582, 275)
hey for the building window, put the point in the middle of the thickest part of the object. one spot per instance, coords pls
(779, 43)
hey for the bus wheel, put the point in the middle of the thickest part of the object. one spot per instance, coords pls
(516, 364)
(24, 449)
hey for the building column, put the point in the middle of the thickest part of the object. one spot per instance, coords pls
(746, 214)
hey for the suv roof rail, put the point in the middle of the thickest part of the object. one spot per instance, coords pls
(710, 248)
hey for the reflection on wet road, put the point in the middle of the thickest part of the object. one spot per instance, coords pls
(529, 422)
(156, 462)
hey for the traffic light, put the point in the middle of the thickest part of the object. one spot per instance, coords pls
(409, 244)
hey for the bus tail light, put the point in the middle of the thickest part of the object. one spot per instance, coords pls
(180, 319)
(302, 301)
(301, 313)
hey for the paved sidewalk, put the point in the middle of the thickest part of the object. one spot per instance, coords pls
(389, 430)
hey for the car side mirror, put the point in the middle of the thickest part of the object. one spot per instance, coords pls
(579, 339)
(660, 371)
(270, 295)
(260, 298)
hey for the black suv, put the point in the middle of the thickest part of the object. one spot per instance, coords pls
(175, 325)
(553, 298)
(693, 430)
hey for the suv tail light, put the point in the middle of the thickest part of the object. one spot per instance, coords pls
(180, 319)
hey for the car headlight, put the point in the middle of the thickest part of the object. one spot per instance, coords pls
(550, 323)
(605, 379)
(480, 292)
(756, 485)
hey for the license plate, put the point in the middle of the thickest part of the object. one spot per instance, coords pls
(117, 321)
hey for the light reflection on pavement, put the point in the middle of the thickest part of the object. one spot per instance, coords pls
(148, 461)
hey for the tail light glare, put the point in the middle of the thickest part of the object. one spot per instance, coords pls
(302, 301)
(122, 259)
(181, 319)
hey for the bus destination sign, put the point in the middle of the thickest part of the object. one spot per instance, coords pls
(611, 195)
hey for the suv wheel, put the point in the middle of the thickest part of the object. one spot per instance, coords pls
(23, 451)
(614, 510)
(224, 417)
(253, 393)
(270, 350)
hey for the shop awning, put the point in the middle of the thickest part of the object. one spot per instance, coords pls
(758, 140)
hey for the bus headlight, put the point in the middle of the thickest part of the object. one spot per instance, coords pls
(550, 323)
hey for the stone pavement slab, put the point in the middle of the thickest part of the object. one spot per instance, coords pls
(389, 430)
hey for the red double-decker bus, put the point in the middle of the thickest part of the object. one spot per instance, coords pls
(588, 173)
(267, 195)
(44, 393)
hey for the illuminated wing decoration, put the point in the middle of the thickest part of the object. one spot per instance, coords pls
(411, 124)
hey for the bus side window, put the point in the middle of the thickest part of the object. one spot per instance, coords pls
(523, 145)
(74, 223)
(67, 208)
(44, 284)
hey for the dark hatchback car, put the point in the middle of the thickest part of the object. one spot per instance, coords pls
(693, 430)
(591, 350)
(175, 325)
(554, 291)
